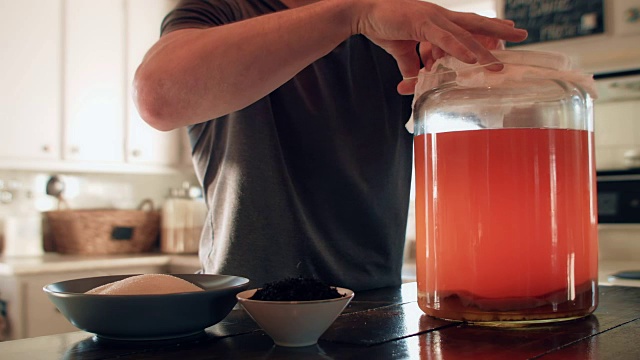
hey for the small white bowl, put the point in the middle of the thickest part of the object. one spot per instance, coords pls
(294, 323)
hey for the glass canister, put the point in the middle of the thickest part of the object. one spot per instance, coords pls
(506, 216)
(183, 217)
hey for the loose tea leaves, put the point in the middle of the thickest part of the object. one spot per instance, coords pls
(296, 289)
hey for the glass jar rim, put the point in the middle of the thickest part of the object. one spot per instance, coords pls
(546, 59)
(543, 59)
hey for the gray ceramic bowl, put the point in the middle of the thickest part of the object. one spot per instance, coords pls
(146, 317)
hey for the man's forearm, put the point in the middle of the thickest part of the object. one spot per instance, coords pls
(194, 75)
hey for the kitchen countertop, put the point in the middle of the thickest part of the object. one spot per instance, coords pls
(610, 267)
(378, 324)
(53, 262)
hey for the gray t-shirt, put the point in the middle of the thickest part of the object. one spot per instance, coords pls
(314, 178)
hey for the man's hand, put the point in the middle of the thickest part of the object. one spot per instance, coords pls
(398, 26)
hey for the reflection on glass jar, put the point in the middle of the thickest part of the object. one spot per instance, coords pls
(571, 340)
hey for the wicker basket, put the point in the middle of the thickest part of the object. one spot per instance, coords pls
(103, 231)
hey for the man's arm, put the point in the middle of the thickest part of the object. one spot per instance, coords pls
(193, 75)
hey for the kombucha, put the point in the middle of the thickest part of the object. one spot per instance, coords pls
(506, 225)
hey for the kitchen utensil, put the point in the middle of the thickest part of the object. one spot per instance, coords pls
(55, 187)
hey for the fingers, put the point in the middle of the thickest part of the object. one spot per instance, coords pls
(492, 27)
(472, 41)
(436, 52)
(425, 49)
(406, 56)
(408, 60)
(407, 87)
(465, 36)
(469, 37)
(489, 42)
(429, 54)
(451, 39)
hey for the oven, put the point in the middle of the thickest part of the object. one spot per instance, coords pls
(619, 227)
(619, 197)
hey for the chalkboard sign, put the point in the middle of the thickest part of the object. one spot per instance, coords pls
(548, 20)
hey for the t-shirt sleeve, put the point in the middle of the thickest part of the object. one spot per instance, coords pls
(199, 14)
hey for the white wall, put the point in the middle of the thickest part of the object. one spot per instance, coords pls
(87, 191)
(482, 7)
(617, 133)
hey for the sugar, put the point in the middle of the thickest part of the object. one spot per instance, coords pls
(146, 284)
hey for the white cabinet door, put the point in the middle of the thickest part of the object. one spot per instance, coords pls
(30, 69)
(145, 145)
(94, 80)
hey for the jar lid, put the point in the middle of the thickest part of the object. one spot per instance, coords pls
(519, 66)
(544, 59)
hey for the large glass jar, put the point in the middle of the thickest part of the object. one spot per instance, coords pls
(506, 217)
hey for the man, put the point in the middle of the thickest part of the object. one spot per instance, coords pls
(296, 121)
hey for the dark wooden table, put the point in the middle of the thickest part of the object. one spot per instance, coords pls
(378, 324)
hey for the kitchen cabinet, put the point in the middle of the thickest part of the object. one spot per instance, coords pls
(145, 145)
(617, 134)
(67, 101)
(94, 88)
(31, 91)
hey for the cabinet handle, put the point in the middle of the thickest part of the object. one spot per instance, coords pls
(46, 148)
(136, 153)
(75, 150)
(633, 154)
(632, 157)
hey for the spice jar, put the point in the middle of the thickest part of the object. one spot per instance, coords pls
(506, 211)
(183, 216)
